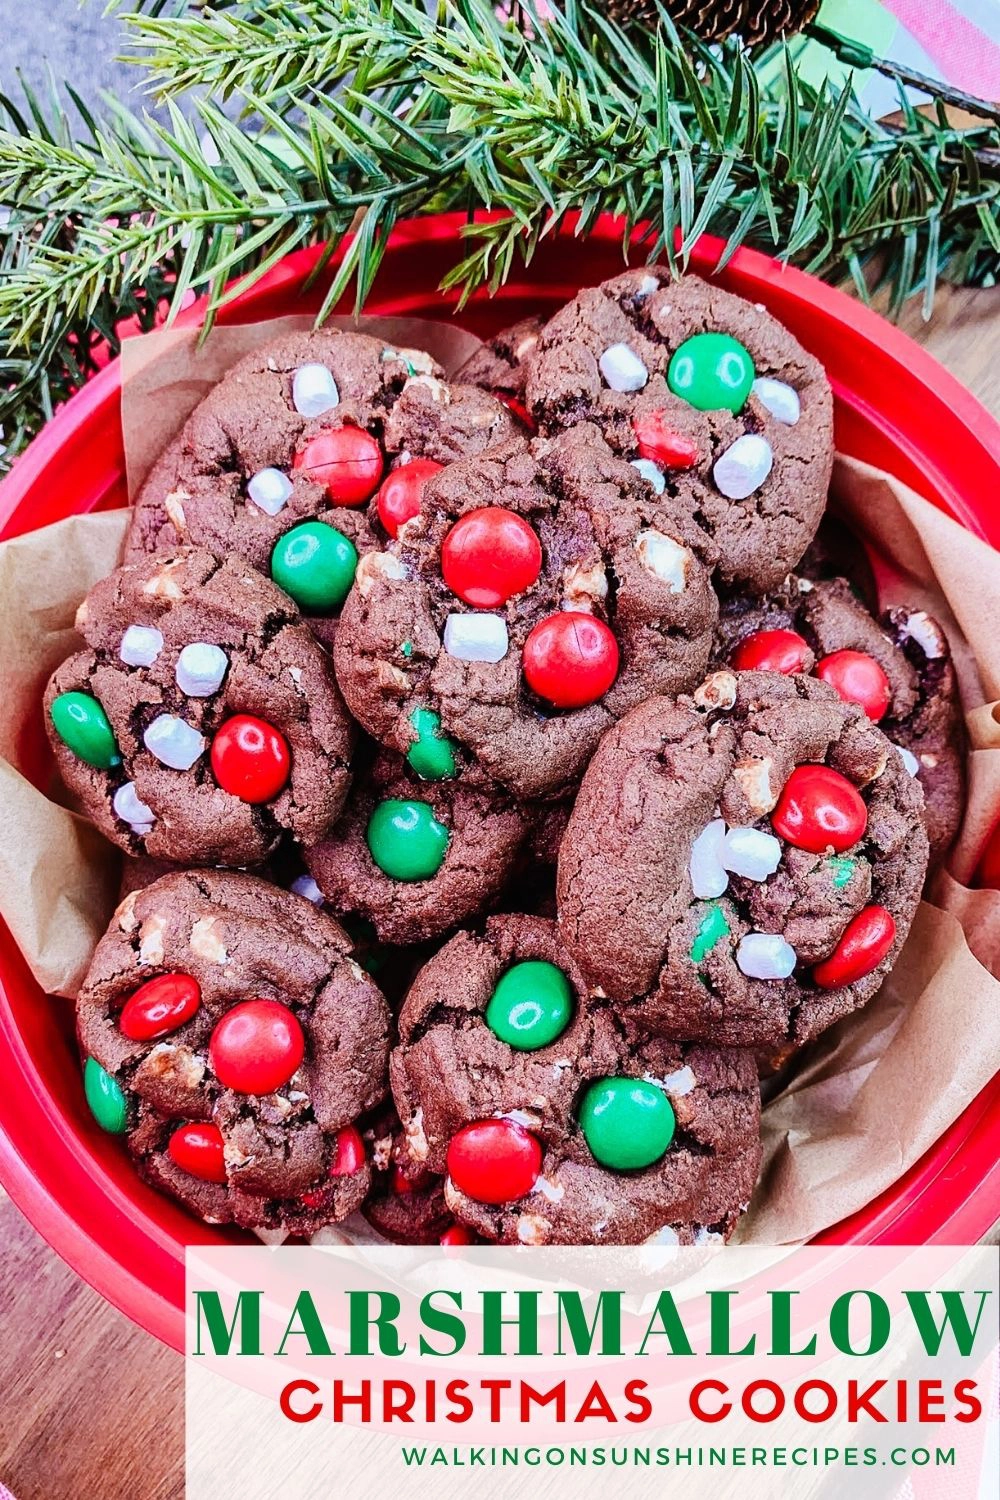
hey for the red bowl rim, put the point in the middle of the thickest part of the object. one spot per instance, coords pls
(961, 1169)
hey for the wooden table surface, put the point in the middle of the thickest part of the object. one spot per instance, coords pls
(90, 1405)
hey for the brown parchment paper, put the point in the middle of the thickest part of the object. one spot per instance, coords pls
(862, 1104)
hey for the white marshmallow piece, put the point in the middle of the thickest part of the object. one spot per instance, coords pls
(751, 852)
(781, 400)
(174, 743)
(765, 955)
(743, 467)
(141, 645)
(270, 490)
(909, 759)
(651, 472)
(708, 874)
(476, 637)
(314, 391)
(200, 669)
(623, 370)
(304, 885)
(666, 559)
(128, 807)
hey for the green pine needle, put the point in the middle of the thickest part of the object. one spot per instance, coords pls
(354, 113)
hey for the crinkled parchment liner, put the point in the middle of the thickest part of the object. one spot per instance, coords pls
(864, 1102)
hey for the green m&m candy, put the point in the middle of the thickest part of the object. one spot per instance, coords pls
(315, 563)
(432, 754)
(712, 372)
(531, 1005)
(82, 725)
(108, 1104)
(627, 1122)
(406, 840)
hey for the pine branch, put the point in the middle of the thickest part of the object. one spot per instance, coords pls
(359, 111)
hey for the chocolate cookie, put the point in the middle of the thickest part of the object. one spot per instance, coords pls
(541, 594)
(555, 1121)
(745, 870)
(280, 459)
(416, 858)
(232, 1039)
(406, 1203)
(501, 365)
(717, 404)
(203, 722)
(898, 668)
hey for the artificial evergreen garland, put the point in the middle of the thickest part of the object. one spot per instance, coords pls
(359, 112)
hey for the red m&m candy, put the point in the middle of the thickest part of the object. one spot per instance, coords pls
(489, 555)
(250, 759)
(349, 1155)
(494, 1161)
(570, 659)
(772, 651)
(401, 492)
(660, 442)
(863, 944)
(347, 460)
(818, 810)
(520, 411)
(409, 1182)
(348, 1158)
(458, 1235)
(256, 1047)
(857, 678)
(198, 1149)
(159, 1006)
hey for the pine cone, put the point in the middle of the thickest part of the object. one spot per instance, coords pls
(754, 20)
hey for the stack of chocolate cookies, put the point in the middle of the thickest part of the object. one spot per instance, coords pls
(505, 773)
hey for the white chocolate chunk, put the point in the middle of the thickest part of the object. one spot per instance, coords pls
(375, 567)
(174, 507)
(622, 369)
(751, 852)
(909, 759)
(765, 955)
(781, 400)
(647, 286)
(436, 389)
(304, 885)
(664, 558)
(476, 637)
(554, 1191)
(754, 777)
(141, 645)
(743, 467)
(418, 360)
(151, 940)
(708, 874)
(131, 810)
(532, 1229)
(206, 942)
(926, 632)
(314, 390)
(677, 1084)
(651, 472)
(663, 1237)
(717, 691)
(270, 490)
(174, 743)
(200, 669)
(163, 584)
(583, 587)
